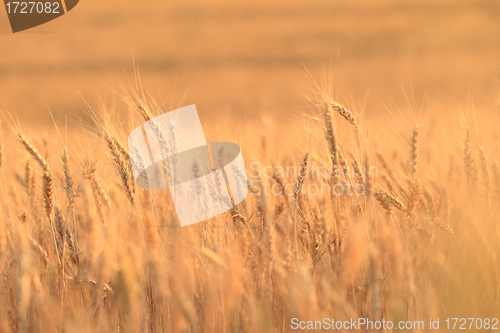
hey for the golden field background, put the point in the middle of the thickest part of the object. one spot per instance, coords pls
(82, 249)
(245, 57)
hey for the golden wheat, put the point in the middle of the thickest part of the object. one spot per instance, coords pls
(112, 258)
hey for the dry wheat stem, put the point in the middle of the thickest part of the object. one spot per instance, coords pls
(298, 187)
(145, 113)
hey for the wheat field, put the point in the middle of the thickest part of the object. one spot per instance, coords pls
(369, 131)
(364, 226)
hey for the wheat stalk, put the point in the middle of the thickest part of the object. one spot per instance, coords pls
(343, 163)
(414, 153)
(1, 168)
(299, 182)
(360, 177)
(469, 165)
(1, 146)
(97, 188)
(47, 180)
(137, 164)
(71, 192)
(483, 158)
(388, 200)
(48, 193)
(47, 185)
(496, 177)
(446, 227)
(34, 152)
(60, 226)
(27, 177)
(123, 166)
(331, 139)
(160, 136)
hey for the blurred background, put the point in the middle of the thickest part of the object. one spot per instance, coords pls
(247, 58)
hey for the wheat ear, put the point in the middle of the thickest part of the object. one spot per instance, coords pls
(47, 185)
(34, 152)
(344, 112)
(446, 227)
(72, 194)
(98, 190)
(414, 151)
(359, 174)
(469, 166)
(331, 139)
(69, 188)
(123, 166)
